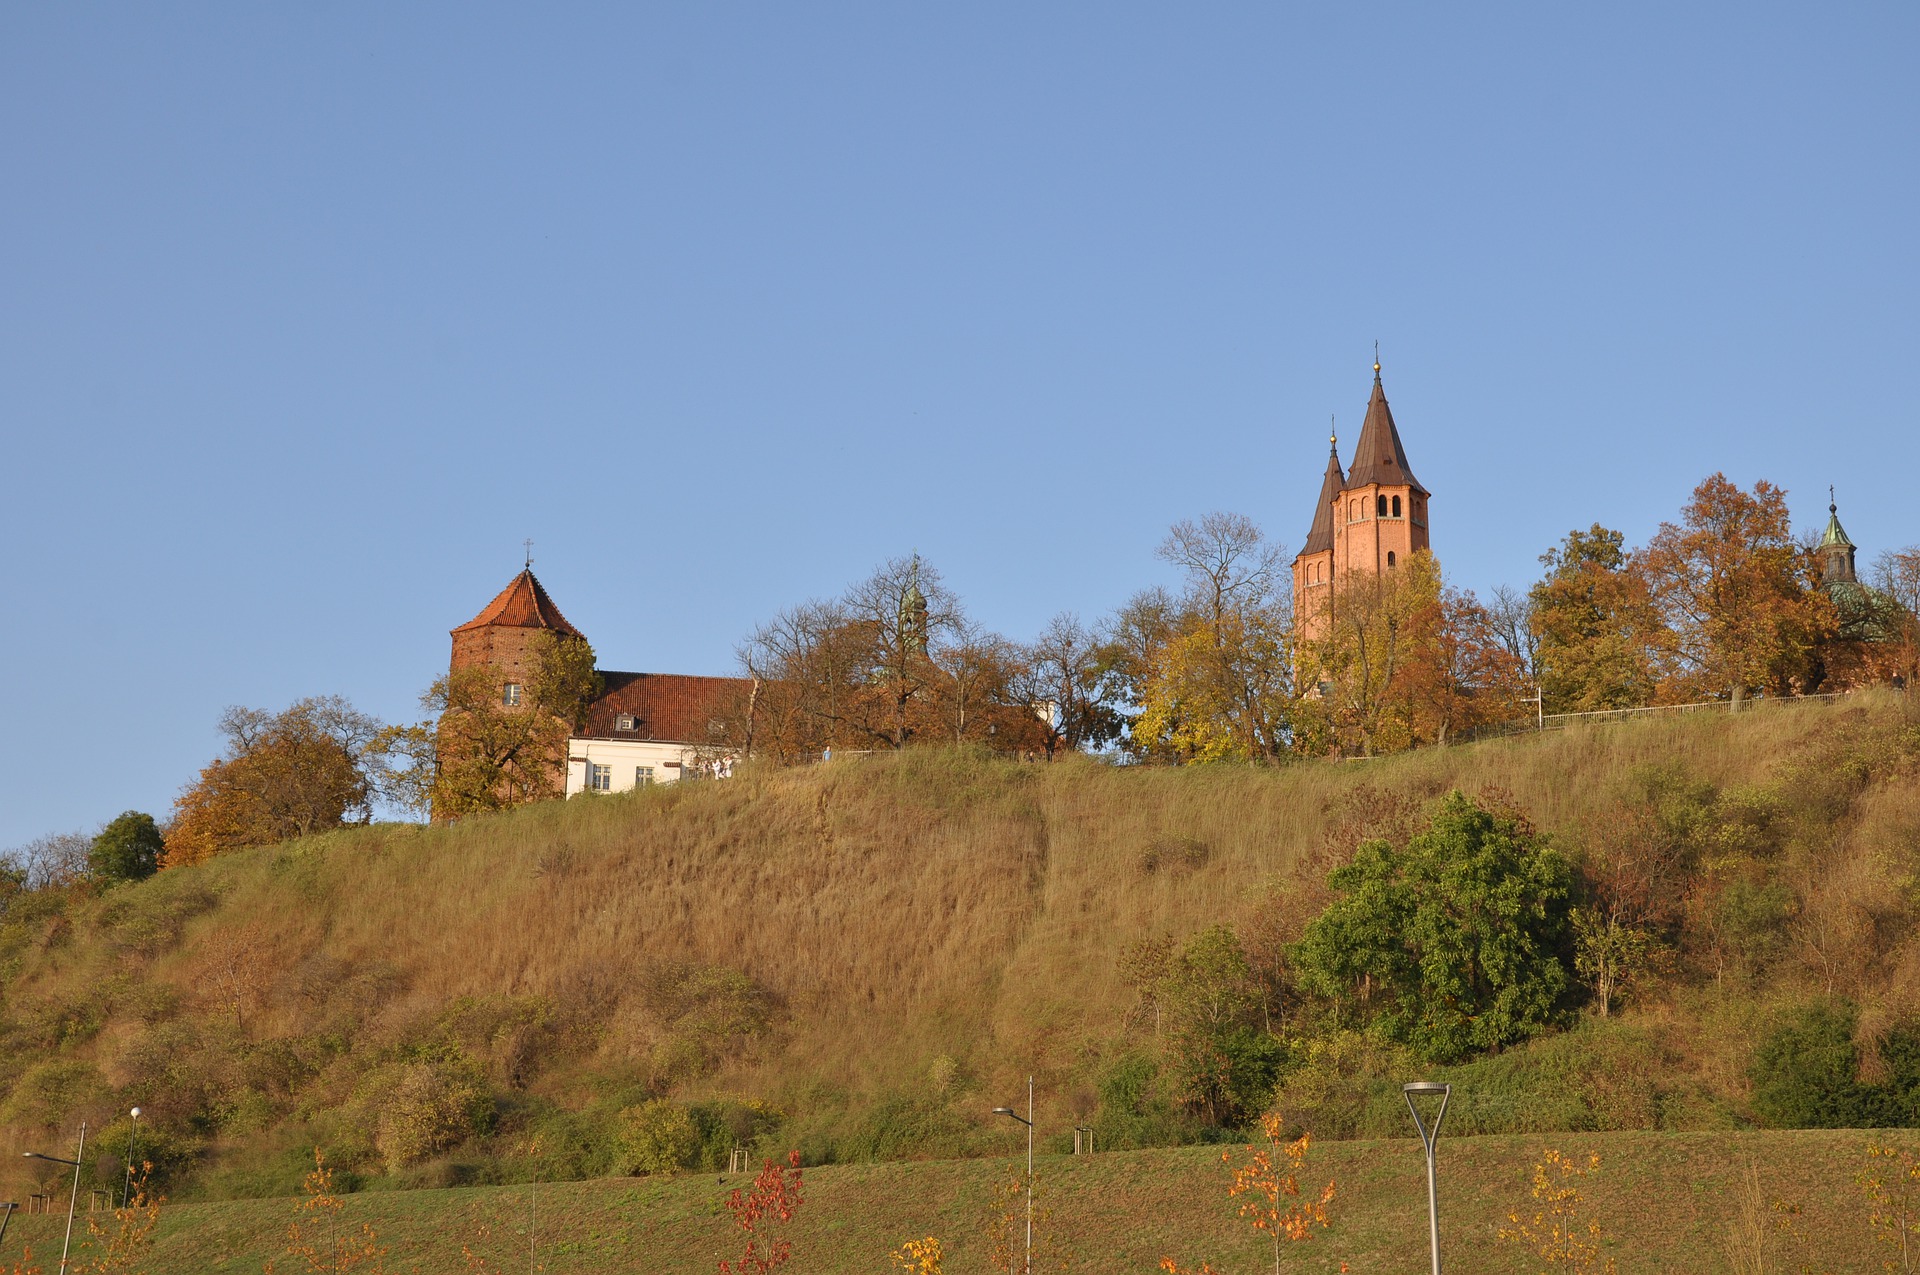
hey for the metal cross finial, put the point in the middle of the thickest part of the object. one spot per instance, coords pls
(1832, 507)
(1333, 434)
(1376, 358)
(529, 544)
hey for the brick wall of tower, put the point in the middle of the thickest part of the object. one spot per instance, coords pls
(1312, 591)
(507, 648)
(1363, 538)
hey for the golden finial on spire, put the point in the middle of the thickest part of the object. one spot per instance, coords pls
(1333, 434)
(1376, 358)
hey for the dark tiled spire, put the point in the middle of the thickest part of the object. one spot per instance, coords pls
(1320, 537)
(1380, 457)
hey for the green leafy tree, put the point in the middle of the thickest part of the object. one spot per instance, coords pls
(1455, 944)
(1221, 1057)
(128, 849)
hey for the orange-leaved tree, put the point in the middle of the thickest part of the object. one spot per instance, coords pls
(1737, 591)
(284, 775)
(127, 1244)
(1559, 1232)
(1891, 1183)
(1267, 1184)
(318, 1240)
(775, 1197)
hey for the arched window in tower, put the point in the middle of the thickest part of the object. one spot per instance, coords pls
(1396, 506)
(1383, 506)
(1389, 557)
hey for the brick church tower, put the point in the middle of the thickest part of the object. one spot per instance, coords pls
(1368, 520)
(501, 635)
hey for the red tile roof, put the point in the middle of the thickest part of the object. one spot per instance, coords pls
(524, 604)
(665, 706)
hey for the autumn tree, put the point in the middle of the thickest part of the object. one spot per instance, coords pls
(1377, 628)
(1737, 591)
(1066, 677)
(318, 1239)
(1896, 576)
(1558, 1229)
(1216, 681)
(1891, 1184)
(1267, 1184)
(890, 661)
(483, 753)
(983, 691)
(283, 775)
(1462, 672)
(1602, 640)
(771, 1203)
(1633, 878)
(1517, 629)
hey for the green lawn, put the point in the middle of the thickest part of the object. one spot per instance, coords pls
(1663, 1200)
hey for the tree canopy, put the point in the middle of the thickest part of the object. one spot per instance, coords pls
(127, 849)
(1455, 944)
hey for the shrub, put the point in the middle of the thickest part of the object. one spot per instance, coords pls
(430, 1105)
(1805, 1074)
(658, 1136)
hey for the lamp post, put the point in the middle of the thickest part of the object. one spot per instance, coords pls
(133, 1130)
(1429, 1134)
(79, 1154)
(1011, 1114)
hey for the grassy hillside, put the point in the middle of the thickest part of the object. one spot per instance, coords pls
(1665, 1203)
(859, 959)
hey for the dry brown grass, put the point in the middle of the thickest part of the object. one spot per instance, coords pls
(901, 908)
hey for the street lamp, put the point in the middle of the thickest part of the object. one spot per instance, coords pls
(79, 1154)
(1011, 1114)
(1428, 1135)
(126, 1200)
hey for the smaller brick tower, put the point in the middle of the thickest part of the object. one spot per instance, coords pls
(500, 635)
(1313, 568)
(1368, 520)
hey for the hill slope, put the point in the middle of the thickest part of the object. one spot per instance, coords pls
(858, 959)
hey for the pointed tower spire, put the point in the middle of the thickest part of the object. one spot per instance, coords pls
(1380, 457)
(1320, 535)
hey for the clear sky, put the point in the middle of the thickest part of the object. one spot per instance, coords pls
(310, 313)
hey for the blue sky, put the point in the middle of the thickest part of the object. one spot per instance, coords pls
(309, 314)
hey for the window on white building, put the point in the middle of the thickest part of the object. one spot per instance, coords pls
(642, 776)
(599, 778)
(510, 694)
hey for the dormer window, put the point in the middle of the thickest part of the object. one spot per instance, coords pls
(510, 695)
(625, 722)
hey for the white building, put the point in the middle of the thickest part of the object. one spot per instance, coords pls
(650, 728)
